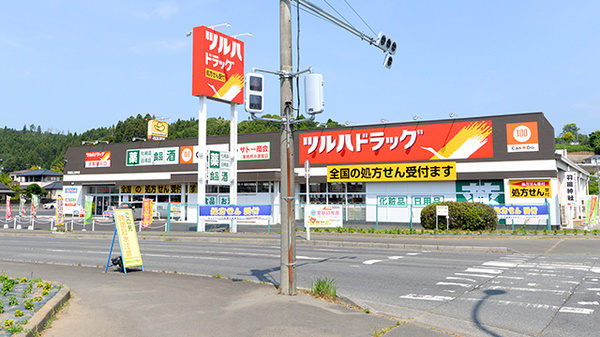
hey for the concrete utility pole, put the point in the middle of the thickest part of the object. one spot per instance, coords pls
(287, 202)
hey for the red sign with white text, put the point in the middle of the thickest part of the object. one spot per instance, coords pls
(217, 66)
(463, 140)
(97, 159)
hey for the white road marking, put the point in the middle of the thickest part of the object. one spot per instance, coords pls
(593, 289)
(412, 254)
(188, 257)
(371, 261)
(74, 251)
(300, 257)
(460, 279)
(428, 298)
(476, 275)
(576, 310)
(500, 264)
(531, 290)
(589, 303)
(453, 284)
(483, 270)
(395, 257)
(511, 277)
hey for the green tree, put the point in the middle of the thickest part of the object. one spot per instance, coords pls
(572, 128)
(35, 189)
(595, 141)
(567, 137)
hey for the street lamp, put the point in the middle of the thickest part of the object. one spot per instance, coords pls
(416, 118)
(383, 120)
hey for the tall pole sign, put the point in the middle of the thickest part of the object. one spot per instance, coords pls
(217, 74)
(217, 66)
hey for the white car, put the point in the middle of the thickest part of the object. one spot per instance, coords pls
(49, 205)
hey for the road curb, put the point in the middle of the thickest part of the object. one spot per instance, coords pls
(299, 241)
(402, 246)
(38, 321)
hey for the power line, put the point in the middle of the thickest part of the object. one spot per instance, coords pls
(340, 14)
(355, 12)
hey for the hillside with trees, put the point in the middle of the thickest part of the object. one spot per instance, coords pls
(30, 148)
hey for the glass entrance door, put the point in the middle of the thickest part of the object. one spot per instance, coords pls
(104, 203)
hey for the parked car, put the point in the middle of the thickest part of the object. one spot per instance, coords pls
(136, 208)
(49, 205)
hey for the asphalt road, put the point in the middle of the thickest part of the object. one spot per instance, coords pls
(532, 294)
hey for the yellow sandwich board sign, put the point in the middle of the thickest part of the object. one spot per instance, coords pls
(128, 242)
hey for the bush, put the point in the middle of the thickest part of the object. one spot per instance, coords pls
(463, 215)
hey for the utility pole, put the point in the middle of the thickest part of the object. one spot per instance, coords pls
(287, 202)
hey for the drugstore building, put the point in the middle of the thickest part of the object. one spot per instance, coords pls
(381, 173)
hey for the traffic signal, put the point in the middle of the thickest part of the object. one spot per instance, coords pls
(254, 102)
(387, 61)
(384, 42)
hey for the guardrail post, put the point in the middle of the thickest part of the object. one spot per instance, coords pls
(168, 225)
(93, 225)
(411, 216)
(548, 207)
(377, 216)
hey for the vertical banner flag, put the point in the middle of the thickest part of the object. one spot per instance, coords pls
(8, 209)
(130, 249)
(35, 200)
(592, 209)
(147, 213)
(89, 201)
(217, 66)
(23, 201)
(60, 213)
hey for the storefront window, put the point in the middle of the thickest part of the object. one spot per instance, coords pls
(247, 187)
(356, 187)
(263, 187)
(318, 187)
(336, 187)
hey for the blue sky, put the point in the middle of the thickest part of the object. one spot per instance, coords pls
(77, 65)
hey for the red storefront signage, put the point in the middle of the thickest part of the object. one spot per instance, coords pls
(217, 66)
(453, 141)
(97, 159)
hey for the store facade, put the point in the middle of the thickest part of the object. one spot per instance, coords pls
(380, 173)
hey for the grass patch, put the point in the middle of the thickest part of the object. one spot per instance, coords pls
(324, 288)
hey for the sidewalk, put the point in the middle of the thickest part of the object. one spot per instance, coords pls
(157, 304)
